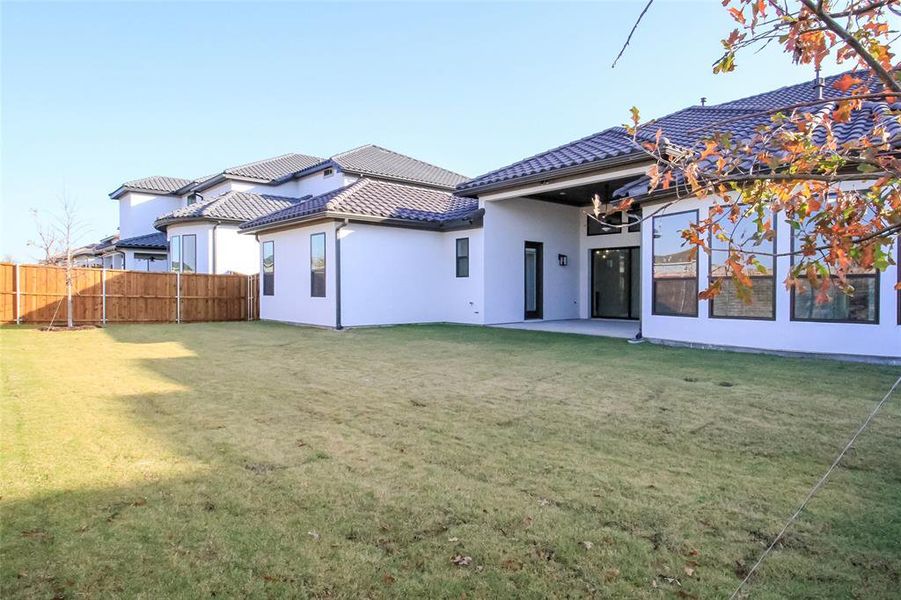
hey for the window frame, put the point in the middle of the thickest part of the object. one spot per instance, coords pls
(194, 266)
(169, 254)
(263, 268)
(875, 275)
(458, 257)
(314, 271)
(710, 279)
(654, 311)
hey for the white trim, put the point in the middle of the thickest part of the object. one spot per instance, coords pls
(562, 184)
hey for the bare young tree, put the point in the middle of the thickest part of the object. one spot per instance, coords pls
(57, 238)
(46, 240)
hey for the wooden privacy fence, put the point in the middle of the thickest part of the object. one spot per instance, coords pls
(37, 294)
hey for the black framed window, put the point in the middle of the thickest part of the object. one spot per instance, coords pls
(462, 257)
(831, 303)
(757, 302)
(175, 253)
(675, 266)
(268, 268)
(594, 227)
(188, 253)
(317, 265)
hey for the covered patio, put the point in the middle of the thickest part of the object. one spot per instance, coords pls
(615, 328)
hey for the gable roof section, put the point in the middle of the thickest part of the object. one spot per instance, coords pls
(378, 199)
(235, 207)
(684, 127)
(378, 162)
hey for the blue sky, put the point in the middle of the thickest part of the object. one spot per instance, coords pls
(97, 94)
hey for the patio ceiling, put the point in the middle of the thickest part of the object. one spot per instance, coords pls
(582, 195)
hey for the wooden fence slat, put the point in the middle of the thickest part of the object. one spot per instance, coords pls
(116, 296)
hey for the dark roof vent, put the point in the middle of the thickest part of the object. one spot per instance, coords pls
(703, 100)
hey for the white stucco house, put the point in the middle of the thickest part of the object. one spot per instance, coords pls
(516, 245)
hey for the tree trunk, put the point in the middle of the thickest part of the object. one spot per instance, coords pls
(69, 323)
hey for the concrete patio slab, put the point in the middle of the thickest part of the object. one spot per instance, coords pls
(600, 327)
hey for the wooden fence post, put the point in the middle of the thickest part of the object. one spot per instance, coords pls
(178, 297)
(18, 297)
(103, 296)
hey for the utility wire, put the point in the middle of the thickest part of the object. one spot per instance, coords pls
(816, 488)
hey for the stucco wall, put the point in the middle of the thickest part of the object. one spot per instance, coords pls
(292, 302)
(137, 212)
(392, 275)
(235, 252)
(880, 339)
(508, 225)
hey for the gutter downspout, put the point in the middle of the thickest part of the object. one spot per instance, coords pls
(215, 226)
(338, 229)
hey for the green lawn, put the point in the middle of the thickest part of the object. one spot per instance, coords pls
(255, 459)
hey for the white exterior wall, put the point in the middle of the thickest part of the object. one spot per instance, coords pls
(236, 253)
(137, 212)
(203, 231)
(587, 243)
(392, 275)
(882, 339)
(508, 225)
(292, 302)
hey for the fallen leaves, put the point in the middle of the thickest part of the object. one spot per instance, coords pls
(314, 534)
(461, 560)
(587, 545)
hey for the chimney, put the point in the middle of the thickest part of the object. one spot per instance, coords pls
(819, 83)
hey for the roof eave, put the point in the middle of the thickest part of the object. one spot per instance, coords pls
(162, 224)
(124, 189)
(467, 220)
(616, 161)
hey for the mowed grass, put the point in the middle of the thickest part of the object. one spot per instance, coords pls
(263, 460)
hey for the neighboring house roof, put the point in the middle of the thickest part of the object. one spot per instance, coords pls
(378, 162)
(234, 207)
(150, 241)
(373, 198)
(107, 243)
(684, 127)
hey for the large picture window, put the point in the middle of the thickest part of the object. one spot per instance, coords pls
(760, 302)
(175, 253)
(675, 266)
(188, 253)
(317, 265)
(268, 268)
(832, 303)
(462, 257)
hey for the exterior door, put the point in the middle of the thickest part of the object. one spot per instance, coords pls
(534, 284)
(615, 283)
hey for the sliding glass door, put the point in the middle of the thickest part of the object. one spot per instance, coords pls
(615, 283)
